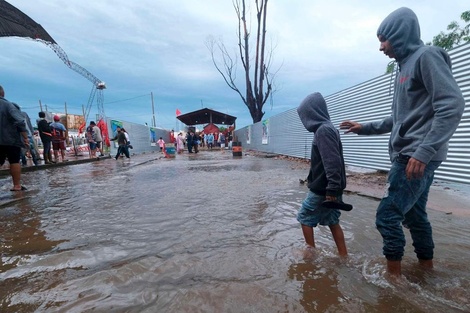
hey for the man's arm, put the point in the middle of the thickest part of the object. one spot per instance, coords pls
(373, 128)
(19, 123)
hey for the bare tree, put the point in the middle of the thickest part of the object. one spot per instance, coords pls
(258, 79)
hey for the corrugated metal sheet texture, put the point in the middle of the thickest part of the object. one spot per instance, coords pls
(139, 136)
(366, 102)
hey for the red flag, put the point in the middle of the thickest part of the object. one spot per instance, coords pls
(81, 127)
(178, 112)
(104, 132)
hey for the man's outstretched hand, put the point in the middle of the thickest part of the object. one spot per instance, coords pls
(350, 127)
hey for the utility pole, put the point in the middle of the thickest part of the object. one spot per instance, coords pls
(153, 111)
(66, 125)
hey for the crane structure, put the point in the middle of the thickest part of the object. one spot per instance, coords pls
(98, 85)
(14, 22)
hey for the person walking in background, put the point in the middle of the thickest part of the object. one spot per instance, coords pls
(97, 138)
(191, 141)
(13, 137)
(426, 110)
(90, 137)
(32, 150)
(46, 137)
(58, 132)
(327, 175)
(129, 146)
(222, 141)
(210, 141)
(122, 142)
(161, 144)
(180, 143)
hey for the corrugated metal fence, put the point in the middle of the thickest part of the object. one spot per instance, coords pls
(139, 136)
(369, 101)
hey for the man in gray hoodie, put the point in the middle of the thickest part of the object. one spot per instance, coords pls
(426, 110)
(327, 175)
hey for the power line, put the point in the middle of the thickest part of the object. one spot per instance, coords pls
(146, 95)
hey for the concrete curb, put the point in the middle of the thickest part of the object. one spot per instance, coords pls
(6, 172)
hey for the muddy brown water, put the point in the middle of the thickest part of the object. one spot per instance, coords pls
(205, 233)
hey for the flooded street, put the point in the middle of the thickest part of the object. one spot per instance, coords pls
(205, 233)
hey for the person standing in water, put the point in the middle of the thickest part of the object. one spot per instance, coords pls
(327, 175)
(426, 110)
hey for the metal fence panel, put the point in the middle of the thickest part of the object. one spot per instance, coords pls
(139, 136)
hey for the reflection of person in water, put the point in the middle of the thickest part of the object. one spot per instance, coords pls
(319, 287)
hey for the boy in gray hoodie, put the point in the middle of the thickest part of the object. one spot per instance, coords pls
(327, 175)
(426, 110)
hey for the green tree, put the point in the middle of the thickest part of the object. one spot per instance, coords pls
(455, 34)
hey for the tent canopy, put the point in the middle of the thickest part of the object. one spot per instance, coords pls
(206, 116)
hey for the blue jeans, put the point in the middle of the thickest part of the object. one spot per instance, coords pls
(122, 149)
(312, 213)
(47, 148)
(405, 203)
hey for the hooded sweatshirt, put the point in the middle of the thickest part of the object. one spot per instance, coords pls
(427, 103)
(327, 174)
(11, 124)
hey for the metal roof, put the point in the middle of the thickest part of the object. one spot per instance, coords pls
(206, 116)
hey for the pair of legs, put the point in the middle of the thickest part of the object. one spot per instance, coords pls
(122, 149)
(33, 154)
(47, 151)
(336, 232)
(99, 148)
(312, 213)
(13, 154)
(56, 155)
(405, 203)
(58, 146)
(92, 146)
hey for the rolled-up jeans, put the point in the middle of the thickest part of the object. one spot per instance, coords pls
(405, 203)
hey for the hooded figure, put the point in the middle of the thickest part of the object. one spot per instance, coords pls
(327, 176)
(428, 103)
(426, 110)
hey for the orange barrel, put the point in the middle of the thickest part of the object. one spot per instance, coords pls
(170, 150)
(237, 149)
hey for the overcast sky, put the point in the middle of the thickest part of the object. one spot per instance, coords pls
(158, 46)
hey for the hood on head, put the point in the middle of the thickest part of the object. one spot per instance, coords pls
(313, 111)
(401, 29)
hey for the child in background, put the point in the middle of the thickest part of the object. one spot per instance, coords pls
(161, 143)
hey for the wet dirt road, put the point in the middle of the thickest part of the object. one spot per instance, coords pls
(204, 233)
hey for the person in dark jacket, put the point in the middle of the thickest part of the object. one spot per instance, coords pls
(327, 175)
(426, 110)
(122, 142)
(191, 140)
(13, 137)
(45, 133)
